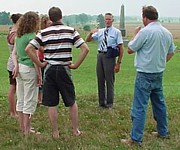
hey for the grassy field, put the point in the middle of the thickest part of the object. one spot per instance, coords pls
(102, 129)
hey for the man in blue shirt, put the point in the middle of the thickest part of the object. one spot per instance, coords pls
(108, 39)
(153, 47)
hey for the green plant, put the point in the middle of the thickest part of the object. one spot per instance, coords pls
(87, 28)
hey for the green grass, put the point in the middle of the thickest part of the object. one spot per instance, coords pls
(102, 129)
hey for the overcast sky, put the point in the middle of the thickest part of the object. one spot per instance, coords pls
(166, 8)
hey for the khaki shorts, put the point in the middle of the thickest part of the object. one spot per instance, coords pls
(27, 90)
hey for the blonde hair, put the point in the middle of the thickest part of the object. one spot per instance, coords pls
(44, 20)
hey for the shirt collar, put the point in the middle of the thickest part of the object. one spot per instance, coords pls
(56, 23)
(109, 28)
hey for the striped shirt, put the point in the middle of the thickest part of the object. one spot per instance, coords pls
(57, 41)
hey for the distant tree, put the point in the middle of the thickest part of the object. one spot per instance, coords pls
(83, 18)
(87, 28)
(5, 18)
(80, 19)
(100, 21)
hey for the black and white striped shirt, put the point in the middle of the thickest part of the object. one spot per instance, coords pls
(57, 41)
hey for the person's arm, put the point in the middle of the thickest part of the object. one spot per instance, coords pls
(32, 53)
(130, 51)
(169, 56)
(39, 75)
(121, 52)
(15, 61)
(30, 50)
(119, 59)
(137, 29)
(84, 51)
(89, 36)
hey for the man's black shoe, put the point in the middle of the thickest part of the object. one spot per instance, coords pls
(109, 106)
(102, 105)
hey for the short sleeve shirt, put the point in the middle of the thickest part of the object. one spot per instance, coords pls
(114, 37)
(57, 41)
(152, 44)
(21, 43)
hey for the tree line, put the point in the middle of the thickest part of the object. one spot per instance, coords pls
(77, 20)
(85, 20)
(5, 18)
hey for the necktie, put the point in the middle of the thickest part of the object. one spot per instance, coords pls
(104, 42)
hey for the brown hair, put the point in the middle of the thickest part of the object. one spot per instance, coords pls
(15, 17)
(55, 14)
(28, 23)
(149, 12)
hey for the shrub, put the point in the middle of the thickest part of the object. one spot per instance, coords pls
(87, 28)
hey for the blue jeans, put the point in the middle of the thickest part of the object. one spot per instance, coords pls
(148, 86)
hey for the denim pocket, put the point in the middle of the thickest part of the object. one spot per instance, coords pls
(144, 83)
(157, 83)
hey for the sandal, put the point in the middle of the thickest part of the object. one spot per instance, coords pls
(77, 133)
(34, 132)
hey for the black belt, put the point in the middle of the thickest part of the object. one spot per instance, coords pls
(104, 52)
